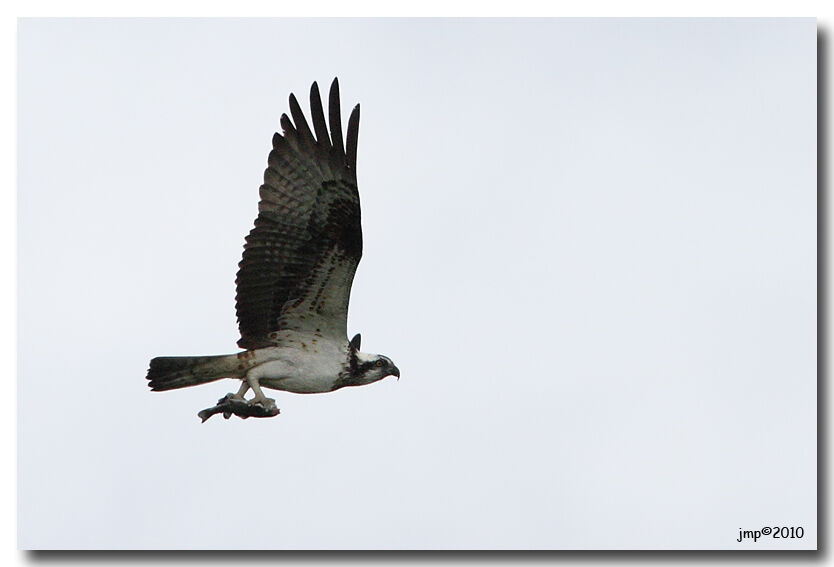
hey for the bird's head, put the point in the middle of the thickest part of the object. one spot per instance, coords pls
(367, 368)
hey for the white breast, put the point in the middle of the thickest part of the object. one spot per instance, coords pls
(304, 365)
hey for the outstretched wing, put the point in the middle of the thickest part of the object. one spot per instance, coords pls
(299, 260)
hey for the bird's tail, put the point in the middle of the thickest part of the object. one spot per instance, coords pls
(171, 372)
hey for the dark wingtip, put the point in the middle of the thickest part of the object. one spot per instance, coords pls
(335, 118)
(301, 125)
(317, 113)
(352, 138)
(295, 109)
(286, 124)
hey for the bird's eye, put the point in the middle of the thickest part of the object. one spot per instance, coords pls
(380, 363)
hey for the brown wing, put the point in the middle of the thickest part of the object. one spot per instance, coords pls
(301, 256)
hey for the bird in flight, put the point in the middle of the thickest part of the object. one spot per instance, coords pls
(294, 281)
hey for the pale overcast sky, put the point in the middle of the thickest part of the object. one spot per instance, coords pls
(590, 247)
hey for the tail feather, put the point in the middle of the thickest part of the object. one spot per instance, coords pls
(171, 372)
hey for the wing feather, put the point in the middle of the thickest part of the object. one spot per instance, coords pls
(352, 137)
(336, 119)
(320, 125)
(301, 125)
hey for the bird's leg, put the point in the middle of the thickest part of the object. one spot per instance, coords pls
(242, 391)
(259, 398)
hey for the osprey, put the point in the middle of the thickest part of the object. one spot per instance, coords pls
(294, 281)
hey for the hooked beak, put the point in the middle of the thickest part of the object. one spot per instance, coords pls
(395, 372)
